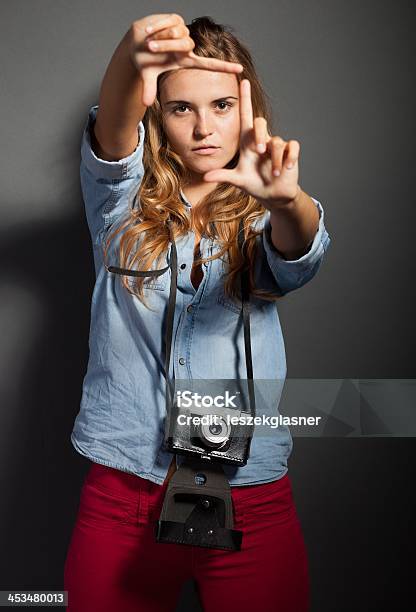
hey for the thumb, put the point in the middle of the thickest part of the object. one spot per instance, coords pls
(149, 88)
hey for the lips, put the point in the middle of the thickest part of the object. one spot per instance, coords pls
(205, 147)
(206, 151)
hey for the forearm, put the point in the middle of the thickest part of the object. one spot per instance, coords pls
(294, 226)
(120, 106)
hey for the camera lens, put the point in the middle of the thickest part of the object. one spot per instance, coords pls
(215, 434)
(215, 430)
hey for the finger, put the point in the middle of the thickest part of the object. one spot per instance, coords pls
(246, 109)
(163, 46)
(178, 31)
(155, 24)
(277, 146)
(261, 136)
(210, 63)
(292, 154)
(149, 88)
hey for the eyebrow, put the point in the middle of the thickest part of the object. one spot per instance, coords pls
(189, 103)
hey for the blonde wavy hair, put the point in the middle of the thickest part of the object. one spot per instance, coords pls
(146, 238)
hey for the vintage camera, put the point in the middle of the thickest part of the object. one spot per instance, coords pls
(208, 425)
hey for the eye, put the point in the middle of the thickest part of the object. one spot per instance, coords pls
(180, 106)
(226, 106)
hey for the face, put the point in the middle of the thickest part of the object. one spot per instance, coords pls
(201, 107)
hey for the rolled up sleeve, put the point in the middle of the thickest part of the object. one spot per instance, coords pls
(108, 187)
(292, 274)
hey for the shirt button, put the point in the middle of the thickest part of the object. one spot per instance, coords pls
(181, 360)
(189, 308)
(183, 266)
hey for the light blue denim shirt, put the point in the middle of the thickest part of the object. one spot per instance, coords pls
(121, 418)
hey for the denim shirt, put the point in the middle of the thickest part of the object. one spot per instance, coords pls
(121, 418)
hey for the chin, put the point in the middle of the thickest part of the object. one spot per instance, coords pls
(209, 164)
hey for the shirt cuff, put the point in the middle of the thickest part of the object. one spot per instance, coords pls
(293, 273)
(127, 167)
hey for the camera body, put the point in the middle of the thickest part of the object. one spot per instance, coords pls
(209, 426)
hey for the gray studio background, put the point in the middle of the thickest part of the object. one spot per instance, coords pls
(341, 80)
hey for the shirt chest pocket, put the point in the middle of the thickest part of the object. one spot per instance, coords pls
(230, 303)
(157, 283)
(151, 283)
(234, 304)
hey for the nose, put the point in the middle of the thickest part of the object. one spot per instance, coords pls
(202, 129)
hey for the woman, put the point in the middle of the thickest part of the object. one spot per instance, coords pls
(200, 161)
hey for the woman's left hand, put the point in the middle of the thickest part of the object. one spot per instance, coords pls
(255, 170)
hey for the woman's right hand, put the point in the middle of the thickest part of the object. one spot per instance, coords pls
(174, 51)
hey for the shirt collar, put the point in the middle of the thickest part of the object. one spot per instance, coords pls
(185, 199)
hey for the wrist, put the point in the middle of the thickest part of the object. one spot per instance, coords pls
(285, 205)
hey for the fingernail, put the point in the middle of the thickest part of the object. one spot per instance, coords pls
(276, 172)
(289, 166)
(261, 148)
(149, 28)
(153, 45)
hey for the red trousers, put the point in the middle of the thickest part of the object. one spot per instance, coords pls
(115, 564)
